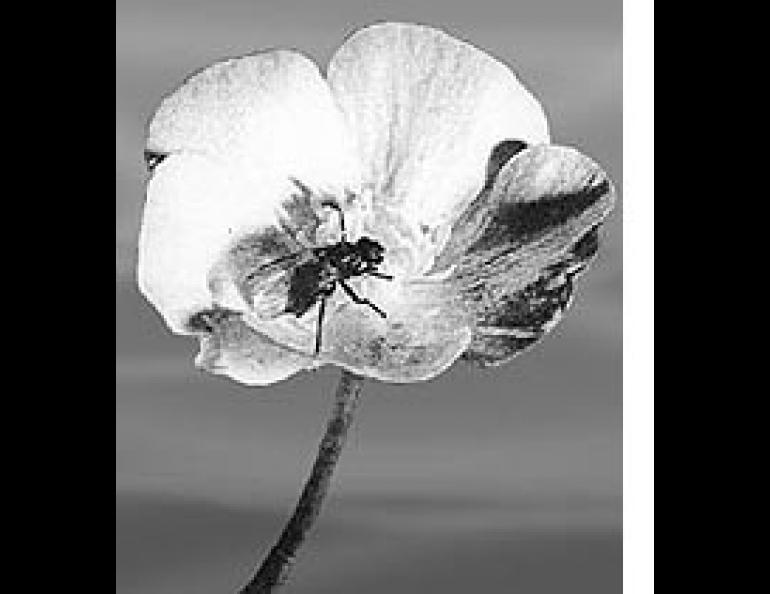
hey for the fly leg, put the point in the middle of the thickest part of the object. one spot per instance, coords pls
(321, 311)
(360, 300)
(379, 275)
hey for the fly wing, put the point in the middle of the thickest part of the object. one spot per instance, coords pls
(261, 266)
(269, 286)
(282, 264)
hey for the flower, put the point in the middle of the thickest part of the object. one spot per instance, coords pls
(420, 143)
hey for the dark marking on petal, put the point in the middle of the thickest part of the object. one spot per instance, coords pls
(208, 321)
(533, 307)
(152, 159)
(501, 154)
(587, 246)
(517, 221)
(488, 351)
(376, 350)
(517, 321)
(300, 219)
(257, 249)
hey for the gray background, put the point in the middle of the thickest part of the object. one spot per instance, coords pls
(502, 481)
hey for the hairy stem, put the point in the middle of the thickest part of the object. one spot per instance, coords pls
(276, 566)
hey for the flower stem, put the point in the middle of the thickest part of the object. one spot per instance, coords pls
(276, 566)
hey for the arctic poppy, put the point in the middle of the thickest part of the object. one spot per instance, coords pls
(417, 142)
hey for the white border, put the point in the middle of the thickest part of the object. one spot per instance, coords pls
(638, 370)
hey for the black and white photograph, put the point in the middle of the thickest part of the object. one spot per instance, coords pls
(370, 297)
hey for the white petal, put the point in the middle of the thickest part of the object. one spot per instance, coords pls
(267, 113)
(234, 349)
(195, 208)
(427, 110)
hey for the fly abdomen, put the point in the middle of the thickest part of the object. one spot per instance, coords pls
(308, 282)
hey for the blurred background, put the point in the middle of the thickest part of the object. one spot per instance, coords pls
(479, 481)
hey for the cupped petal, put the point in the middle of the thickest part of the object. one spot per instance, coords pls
(426, 110)
(233, 152)
(232, 348)
(515, 252)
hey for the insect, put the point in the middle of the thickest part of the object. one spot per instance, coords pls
(317, 278)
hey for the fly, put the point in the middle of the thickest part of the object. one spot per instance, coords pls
(315, 280)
